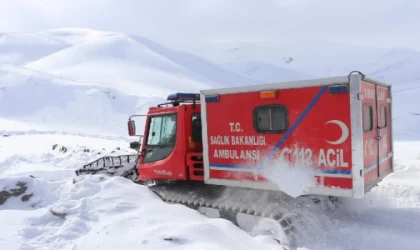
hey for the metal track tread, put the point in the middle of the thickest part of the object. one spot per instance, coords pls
(232, 202)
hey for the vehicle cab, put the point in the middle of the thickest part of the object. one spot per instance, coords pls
(172, 144)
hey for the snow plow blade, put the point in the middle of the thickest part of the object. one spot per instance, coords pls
(122, 165)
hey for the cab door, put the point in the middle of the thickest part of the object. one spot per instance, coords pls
(164, 145)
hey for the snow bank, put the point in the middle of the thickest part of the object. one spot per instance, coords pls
(89, 212)
(150, 224)
(109, 213)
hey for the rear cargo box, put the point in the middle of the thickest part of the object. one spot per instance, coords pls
(274, 136)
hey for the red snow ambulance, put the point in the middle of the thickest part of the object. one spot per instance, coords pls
(196, 146)
(340, 127)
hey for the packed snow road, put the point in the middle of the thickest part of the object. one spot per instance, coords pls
(50, 211)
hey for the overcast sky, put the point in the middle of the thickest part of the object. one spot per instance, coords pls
(390, 23)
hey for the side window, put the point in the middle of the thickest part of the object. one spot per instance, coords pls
(367, 117)
(162, 130)
(384, 116)
(271, 119)
(196, 127)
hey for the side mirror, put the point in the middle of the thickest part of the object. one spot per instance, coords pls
(134, 145)
(131, 128)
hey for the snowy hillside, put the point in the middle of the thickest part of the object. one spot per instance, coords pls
(53, 103)
(130, 63)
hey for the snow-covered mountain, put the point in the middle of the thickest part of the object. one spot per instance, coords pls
(131, 63)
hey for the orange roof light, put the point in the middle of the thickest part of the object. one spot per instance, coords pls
(268, 94)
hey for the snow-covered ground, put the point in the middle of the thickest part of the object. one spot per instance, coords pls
(90, 212)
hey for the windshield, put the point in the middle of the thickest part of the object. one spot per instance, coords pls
(161, 137)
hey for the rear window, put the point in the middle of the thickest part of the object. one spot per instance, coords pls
(270, 119)
(367, 117)
(384, 116)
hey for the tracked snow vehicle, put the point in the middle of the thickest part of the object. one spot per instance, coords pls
(234, 153)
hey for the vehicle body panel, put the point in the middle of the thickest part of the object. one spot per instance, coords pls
(323, 132)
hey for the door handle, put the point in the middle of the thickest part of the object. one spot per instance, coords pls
(378, 136)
